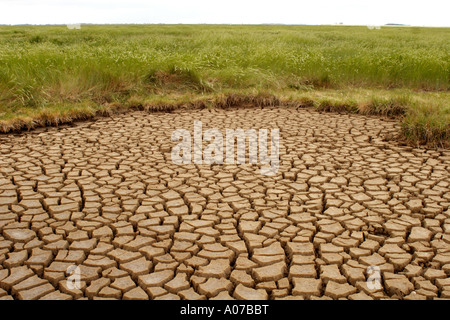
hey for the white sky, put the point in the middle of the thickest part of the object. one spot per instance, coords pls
(360, 12)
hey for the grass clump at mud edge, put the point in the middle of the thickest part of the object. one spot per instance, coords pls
(336, 105)
(388, 107)
(428, 124)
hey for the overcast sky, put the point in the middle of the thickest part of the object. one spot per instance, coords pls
(360, 12)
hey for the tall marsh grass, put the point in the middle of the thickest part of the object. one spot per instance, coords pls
(43, 67)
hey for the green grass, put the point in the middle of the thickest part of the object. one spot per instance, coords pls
(51, 75)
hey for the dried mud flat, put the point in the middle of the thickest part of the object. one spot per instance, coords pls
(106, 197)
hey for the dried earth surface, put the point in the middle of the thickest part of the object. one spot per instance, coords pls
(104, 196)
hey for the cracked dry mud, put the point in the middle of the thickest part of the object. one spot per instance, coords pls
(106, 197)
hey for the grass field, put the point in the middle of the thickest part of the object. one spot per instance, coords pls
(52, 75)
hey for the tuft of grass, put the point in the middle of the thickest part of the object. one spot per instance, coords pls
(340, 106)
(37, 39)
(388, 107)
(177, 79)
(428, 124)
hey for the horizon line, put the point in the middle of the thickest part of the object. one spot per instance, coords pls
(229, 24)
